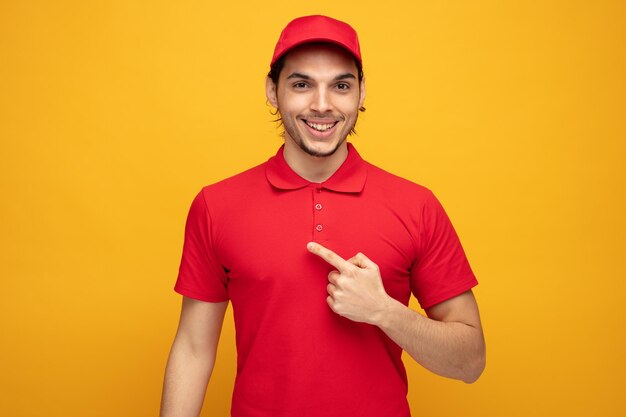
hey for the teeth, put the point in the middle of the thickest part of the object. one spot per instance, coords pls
(320, 127)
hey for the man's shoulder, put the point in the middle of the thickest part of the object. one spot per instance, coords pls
(395, 184)
(242, 183)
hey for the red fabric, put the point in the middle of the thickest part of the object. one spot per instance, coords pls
(246, 241)
(308, 29)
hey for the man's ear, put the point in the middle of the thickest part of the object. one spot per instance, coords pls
(270, 92)
(362, 92)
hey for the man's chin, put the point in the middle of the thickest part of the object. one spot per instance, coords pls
(320, 152)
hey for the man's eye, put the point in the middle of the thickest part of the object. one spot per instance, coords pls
(343, 86)
(300, 85)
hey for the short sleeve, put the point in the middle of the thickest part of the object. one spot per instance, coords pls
(441, 270)
(200, 276)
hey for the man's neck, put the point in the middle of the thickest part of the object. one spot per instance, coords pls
(314, 168)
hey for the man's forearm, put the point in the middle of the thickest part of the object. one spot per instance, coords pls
(186, 379)
(451, 345)
(451, 349)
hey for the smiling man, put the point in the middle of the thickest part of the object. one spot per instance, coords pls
(319, 252)
(319, 98)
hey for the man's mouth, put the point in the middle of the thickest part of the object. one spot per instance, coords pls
(320, 127)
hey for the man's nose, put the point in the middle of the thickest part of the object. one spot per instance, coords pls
(321, 101)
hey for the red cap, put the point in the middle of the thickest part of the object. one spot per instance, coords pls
(308, 29)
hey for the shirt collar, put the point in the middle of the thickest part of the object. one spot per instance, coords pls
(349, 178)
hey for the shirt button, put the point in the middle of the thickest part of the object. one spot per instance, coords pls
(319, 227)
(318, 206)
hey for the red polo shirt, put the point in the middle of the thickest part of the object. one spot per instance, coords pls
(245, 241)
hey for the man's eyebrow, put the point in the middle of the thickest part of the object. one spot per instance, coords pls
(345, 76)
(298, 75)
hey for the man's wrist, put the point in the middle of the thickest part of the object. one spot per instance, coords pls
(383, 318)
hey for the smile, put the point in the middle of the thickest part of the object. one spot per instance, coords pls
(320, 127)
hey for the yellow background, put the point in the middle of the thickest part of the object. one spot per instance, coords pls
(114, 114)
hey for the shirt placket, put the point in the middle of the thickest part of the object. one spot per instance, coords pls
(320, 226)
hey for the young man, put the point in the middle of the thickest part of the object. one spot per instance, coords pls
(319, 251)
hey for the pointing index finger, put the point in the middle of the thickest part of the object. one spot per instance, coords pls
(329, 256)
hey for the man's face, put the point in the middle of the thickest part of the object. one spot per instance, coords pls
(318, 96)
